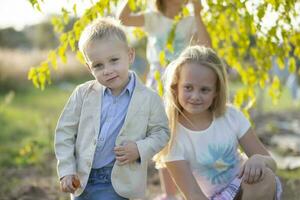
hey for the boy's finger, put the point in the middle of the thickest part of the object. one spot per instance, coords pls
(119, 153)
(119, 148)
(121, 158)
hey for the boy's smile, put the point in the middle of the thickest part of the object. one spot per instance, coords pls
(108, 60)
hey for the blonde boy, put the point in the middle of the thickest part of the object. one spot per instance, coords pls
(111, 126)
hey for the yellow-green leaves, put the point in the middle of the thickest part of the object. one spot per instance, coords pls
(292, 65)
(275, 90)
(162, 59)
(159, 85)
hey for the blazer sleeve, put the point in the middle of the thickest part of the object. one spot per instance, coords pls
(157, 130)
(65, 135)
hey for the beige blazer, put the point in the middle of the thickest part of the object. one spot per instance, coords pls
(78, 128)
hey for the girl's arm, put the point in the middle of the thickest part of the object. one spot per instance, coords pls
(253, 147)
(202, 36)
(130, 19)
(184, 179)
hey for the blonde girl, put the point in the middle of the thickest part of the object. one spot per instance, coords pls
(202, 155)
(158, 24)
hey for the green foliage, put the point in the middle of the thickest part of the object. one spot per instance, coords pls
(239, 35)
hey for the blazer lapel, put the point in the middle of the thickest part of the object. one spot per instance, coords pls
(135, 103)
(95, 102)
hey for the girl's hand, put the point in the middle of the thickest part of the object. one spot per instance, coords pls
(253, 170)
(69, 183)
(197, 6)
(126, 153)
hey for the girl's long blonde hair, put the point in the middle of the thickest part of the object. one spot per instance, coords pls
(203, 56)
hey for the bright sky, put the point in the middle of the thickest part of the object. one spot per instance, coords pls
(19, 13)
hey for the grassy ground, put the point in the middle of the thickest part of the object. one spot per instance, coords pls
(27, 121)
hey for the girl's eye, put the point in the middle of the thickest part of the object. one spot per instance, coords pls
(205, 90)
(187, 87)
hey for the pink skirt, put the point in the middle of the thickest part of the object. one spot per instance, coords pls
(233, 188)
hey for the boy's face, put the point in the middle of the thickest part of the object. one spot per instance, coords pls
(109, 60)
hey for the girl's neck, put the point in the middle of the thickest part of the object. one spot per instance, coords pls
(196, 122)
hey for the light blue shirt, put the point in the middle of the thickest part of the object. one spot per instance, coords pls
(113, 113)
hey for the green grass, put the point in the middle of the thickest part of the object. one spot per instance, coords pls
(28, 122)
(27, 125)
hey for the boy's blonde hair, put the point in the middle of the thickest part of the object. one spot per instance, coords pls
(203, 56)
(104, 27)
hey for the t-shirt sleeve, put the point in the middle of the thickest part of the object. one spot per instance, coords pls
(151, 21)
(176, 152)
(242, 123)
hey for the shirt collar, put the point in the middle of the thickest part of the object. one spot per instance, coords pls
(129, 87)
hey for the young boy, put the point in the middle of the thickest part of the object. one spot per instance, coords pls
(110, 126)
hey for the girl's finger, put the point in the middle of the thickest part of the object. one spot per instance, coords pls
(257, 175)
(241, 172)
(263, 173)
(246, 174)
(251, 175)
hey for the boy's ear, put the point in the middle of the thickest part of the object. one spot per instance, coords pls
(88, 67)
(131, 55)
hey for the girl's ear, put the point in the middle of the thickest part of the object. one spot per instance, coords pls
(131, 55)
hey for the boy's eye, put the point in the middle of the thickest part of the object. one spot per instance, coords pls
(114, 59)
(98, 66)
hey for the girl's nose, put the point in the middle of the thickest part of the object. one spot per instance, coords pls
(195, 96)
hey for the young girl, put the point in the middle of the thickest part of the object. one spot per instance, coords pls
(202, 155)
(158, 24)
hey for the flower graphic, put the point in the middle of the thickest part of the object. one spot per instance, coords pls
(218, 163)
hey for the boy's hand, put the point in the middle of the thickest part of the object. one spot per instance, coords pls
(126, 153)
(69, 183)
(253, 170)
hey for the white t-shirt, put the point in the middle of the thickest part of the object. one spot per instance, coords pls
(158, 28)
(213, 153)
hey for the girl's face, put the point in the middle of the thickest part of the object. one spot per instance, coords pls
(196, 88)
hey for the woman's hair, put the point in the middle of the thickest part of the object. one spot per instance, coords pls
(203, 56)
(105, 27)
(160, 5)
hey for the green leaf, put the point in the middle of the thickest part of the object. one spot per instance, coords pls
(52, 58)
(292, 65)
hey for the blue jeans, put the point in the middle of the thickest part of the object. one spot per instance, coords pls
(99, 186)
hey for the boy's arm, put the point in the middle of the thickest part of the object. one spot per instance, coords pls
(130, 19)
(65, 135)
(157, 131)
(201, 37)
(184, 179)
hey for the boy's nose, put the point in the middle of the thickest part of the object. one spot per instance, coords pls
(107, 71)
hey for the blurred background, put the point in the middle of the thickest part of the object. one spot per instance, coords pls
(28, 115)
